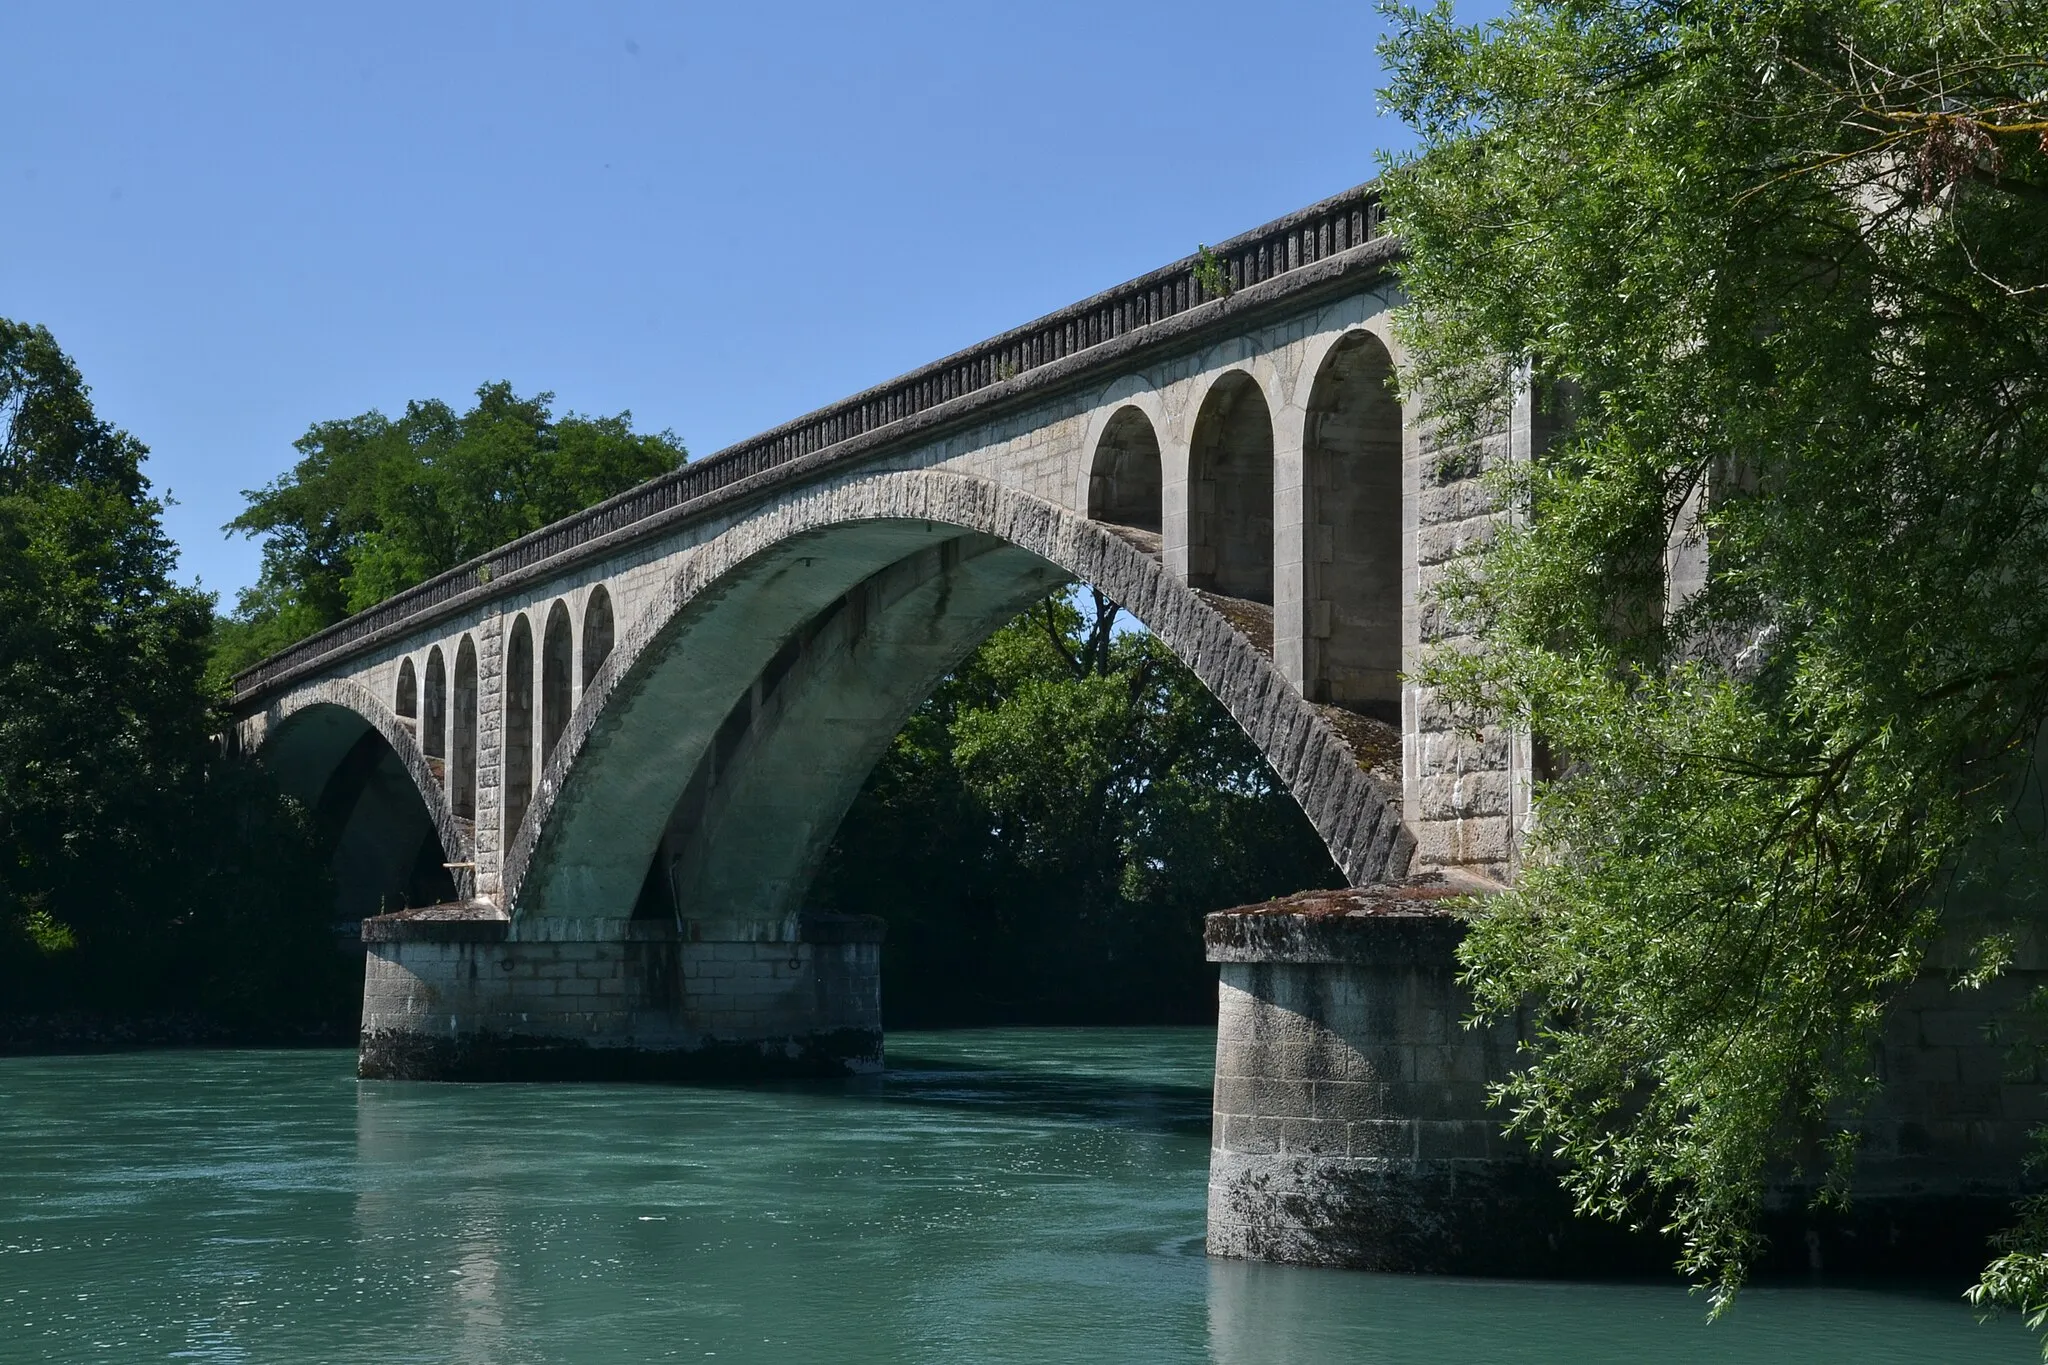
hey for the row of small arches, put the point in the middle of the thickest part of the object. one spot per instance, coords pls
(445, 711)
(1351, 553)
(1351, 510)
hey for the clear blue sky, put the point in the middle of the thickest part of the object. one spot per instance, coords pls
(243, 219)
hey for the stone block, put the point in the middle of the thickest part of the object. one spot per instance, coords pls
(1986, 1064)
(1914, 1065)
(1957, 1100)
(1462, 1068)
(1280, 1098)
(1384, 1063)
(1233, 1095)
(2024, 1102)
(1381, 1139)
(1464, 795)
(1458, 1140)
(1484, 841)
(1955, 1027)
(1248, 1135)
(1360, 1100)
(1321, 1137)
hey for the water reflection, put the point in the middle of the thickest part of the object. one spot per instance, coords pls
(1275, 1315)
(1002, 1196)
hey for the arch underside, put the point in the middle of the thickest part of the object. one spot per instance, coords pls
(737, 718)
(373, 794)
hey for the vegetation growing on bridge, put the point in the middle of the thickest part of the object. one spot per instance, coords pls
(1784, 273)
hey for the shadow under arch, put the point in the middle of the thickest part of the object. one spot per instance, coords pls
(1125, 485)
(1230, 490)
(726, 621)
(334, 746)
(1351, 458)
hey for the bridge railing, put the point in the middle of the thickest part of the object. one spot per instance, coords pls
(1302, 238)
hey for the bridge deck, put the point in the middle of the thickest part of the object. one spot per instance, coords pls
(1315, 248)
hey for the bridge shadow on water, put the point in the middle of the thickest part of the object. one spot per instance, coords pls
(930, 1072)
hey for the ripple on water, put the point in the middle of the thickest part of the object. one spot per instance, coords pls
(998, 1195)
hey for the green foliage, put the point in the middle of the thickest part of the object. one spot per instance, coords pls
(1047, 831)
(1210, 275)
(1783, 271)
(124, 880)
(376, 505)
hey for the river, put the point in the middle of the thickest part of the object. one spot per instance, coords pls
(999, 1195)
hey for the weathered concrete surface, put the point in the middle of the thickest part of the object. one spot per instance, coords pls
(1352, 1126)
(449, 995)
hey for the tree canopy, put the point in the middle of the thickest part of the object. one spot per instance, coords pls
(1046, 833)
(139, 869)
(1783, 274)
(375, 505)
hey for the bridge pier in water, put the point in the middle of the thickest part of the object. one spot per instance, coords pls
(1351, 1123)
(451, 993)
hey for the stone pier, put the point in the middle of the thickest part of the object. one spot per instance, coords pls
(1352, 1126)
(452, 992)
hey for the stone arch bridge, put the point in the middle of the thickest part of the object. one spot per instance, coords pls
(615, 751)
(578, 788)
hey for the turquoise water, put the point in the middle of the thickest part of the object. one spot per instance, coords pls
(1000, 1195)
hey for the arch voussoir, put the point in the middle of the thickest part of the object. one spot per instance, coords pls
(1347, 805)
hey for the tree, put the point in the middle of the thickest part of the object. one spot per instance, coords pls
(1047, 831)
(138, 869)
(376, 505)
(1782, 271)
(101, 716)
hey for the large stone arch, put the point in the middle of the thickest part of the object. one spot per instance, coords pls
(306, 735)
(655, 708)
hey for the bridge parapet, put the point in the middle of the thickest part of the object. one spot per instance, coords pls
(1297, 251)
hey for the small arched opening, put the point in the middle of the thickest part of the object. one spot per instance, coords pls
(557, 673)
(518, 788)
(1124, 482)
(1230, 492)
(462, 786)
(434, 721)
(597, 632)
(1352, 445)
(407, 703)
